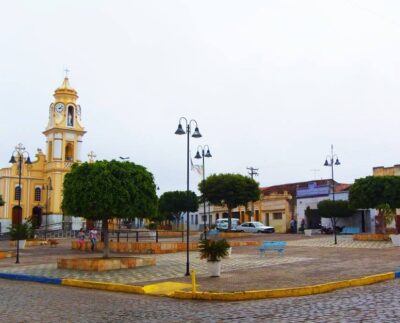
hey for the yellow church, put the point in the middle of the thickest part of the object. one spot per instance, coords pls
(32, 189)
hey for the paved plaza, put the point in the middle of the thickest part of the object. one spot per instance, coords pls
(31, 302)
(169, 266)
(306, 261)
(342, 242)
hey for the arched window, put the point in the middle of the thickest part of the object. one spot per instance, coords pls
(38, 194)
(70, 116)
(17, 193)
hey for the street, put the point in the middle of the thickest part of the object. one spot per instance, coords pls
(32, 302)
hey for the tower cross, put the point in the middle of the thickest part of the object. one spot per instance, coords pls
(66, 72)
(92, 156)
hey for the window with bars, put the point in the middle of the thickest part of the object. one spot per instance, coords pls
(38, 194)
(17, 193)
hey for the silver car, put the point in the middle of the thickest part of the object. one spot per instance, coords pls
(255, 227)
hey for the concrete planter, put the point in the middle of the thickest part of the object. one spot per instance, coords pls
(101, 264)
(310, 232)
(214, 268)
(395, 239)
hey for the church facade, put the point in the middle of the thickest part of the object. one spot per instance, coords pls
(33, 189)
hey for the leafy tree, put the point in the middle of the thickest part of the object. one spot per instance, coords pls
(105, 190)
(1, 200)
(172, 203)
(230, 190)
(377, 192)
(313, 218)
(334, 210)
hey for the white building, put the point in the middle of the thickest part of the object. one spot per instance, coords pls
(318, 191)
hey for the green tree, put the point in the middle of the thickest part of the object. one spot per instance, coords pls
(173, 203)
(1, 200)
(334, 210)
(104, 190)
(230, 190)
(377, 192)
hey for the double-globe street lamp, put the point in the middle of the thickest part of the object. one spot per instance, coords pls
(18, 156)
(198, 156)
(196, 134)
(329, 162)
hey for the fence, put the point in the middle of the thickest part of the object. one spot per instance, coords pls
(137, 235)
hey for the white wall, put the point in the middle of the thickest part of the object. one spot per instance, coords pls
(303, 203)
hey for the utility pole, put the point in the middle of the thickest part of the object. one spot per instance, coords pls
(252, 172)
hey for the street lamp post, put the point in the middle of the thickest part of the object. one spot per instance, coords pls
(198, 156)
(329, 161)
(48, 187)
(196, 134)
(18, 154)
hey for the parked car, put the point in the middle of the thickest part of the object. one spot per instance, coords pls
(254, 226)
(222, 224)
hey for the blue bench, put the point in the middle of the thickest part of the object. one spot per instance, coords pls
(350, 230)
(273, 246)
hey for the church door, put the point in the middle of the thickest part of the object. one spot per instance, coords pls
(36, 217)
(16, 215)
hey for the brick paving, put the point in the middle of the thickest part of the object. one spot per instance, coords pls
(342, 242)
(169, 266)
(30, 302)
(307, 261)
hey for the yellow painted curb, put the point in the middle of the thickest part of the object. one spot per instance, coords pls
(104, 286)
(165, 288)
(284, 292)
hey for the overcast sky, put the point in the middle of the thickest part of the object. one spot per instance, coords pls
(272, 84)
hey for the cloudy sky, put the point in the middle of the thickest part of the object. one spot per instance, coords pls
(272, 84)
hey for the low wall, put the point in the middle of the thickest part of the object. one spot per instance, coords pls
(6, 254)
(371, 237)
(244, 243)
(99, 264)
(231, 235)
(30, 243)
(172, 234)
(152, 247)
(139, 247)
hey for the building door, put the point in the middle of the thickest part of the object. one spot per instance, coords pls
(16, 215)
(36, 217)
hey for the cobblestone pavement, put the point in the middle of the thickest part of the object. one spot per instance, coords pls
(30, 302)
(169, 266)
(342, 242)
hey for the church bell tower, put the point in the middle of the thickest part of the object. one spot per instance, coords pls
(64, 134)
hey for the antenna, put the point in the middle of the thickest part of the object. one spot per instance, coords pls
(315, 171)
